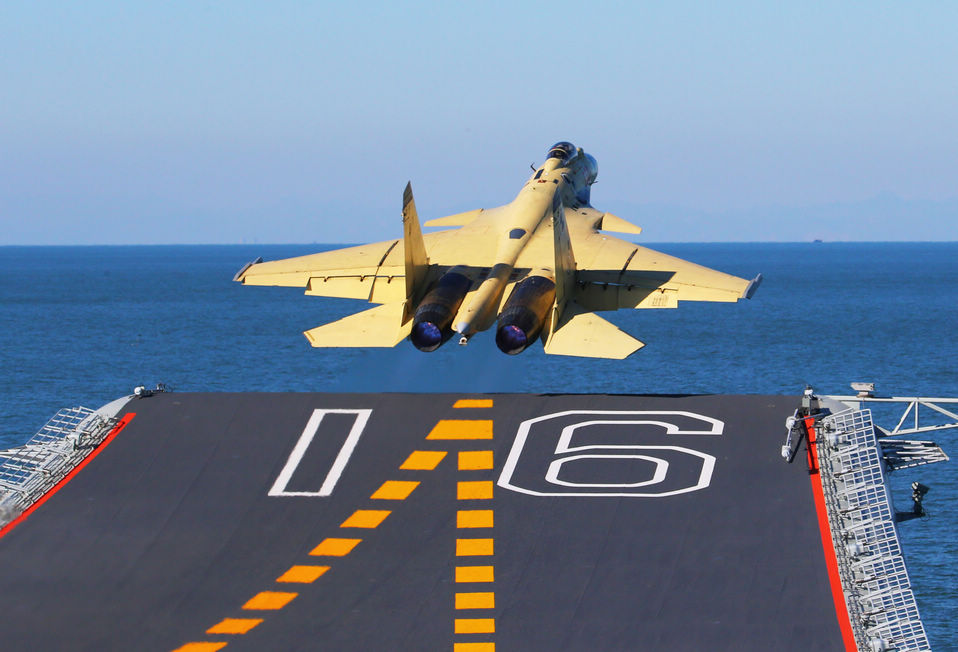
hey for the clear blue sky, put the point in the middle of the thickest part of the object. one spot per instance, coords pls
(297, 122)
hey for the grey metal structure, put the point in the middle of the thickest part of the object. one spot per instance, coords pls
(854, 456)
(29, 471)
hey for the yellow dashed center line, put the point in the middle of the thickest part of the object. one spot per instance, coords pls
(483, 600)
(334, 547)
(475, 625)
(269, 600)
(470, 461)
(462, 429)
(201, 647)
(474, 647)
(473, 403)
(419, 460)
(423, 460)
(475, 574)
(234, 626)
(302, 574)
(472, 518)
(366, 518)
(395, 490)
(475, 460)
(474, 490)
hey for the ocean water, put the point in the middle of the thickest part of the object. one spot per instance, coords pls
(84, 325)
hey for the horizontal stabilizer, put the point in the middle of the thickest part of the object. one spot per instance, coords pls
(586, 335)
(380, 327)
(616, 224)
(459, 219)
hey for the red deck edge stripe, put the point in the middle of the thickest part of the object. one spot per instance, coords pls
(831, 561)
(121, 424)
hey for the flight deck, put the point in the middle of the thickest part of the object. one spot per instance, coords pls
(428, 522)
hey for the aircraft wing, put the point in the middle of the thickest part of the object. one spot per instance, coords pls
(351, 273)
(613, 274)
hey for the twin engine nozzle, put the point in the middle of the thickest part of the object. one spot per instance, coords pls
(519, 324)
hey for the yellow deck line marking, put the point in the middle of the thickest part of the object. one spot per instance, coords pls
(302, 574)
(475, 574)
(474, 490)
(395, 490)
(462, 429)
(474, 547)
(474, 647)
(200, 647)
(234, 626)
(269, 600)
(475, 460)
(423, 460)
(334, 547)
(475, 625)
(366, 518)
(466, 518)
(473, 403)
(482, 600)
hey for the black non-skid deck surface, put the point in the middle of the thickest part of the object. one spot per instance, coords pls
(693, 534)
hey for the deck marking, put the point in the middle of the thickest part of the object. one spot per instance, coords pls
(423, 460)
(366, 518)
(418, 460)
(234, 626)
(831, 561)
(475, 460)
(269, 600)
(482, 600)
(474, 490)
(120, 425)
(334, 547)
(475, 626)
(470, 518)
(305, 439)
(707, 426)
(462, 429)
(200, 647)
(466, 574)
(474, 547)
(474, 647)
(473, 403)
(302, 574)
(395, 490)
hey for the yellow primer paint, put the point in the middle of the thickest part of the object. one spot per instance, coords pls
(466, 518)
(269, 600)
(474, 647)
(475, 460)
(475, 625)
(475, 574)
(200, 647)
(484, 600)
(302, 574)
(474, 547)
(395, 490)
(473, 403)
(462, 429)
(334, 547)
(234, 626)
(474, 490)
(423, 460)
(366, 518)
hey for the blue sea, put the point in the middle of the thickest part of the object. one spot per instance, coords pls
(84, 325)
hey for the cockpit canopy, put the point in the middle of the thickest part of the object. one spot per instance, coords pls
(562, 150)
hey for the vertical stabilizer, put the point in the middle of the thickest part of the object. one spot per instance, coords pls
(417, 264)
(564, 261)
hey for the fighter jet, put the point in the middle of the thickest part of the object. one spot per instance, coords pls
(538, 268)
